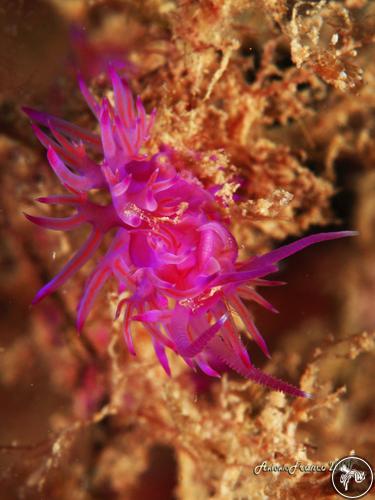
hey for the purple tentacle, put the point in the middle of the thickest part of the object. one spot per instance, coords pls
(247, 320)
(237, 277)
(60, 199)
(250, 294)
(205, 367)
(57, 223)
(93, 286)
(190, 348)
(228, 357)
(73, 131)
(287, 250)
(92, 103)
(80, 258)
(123, 99)
(71, 181)
(126, 329)
(161, 355)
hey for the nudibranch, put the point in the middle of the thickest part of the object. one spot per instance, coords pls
(172, 252)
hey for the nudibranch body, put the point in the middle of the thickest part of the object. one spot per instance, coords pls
(172, 252)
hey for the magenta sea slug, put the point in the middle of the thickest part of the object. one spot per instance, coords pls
(172, 252)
